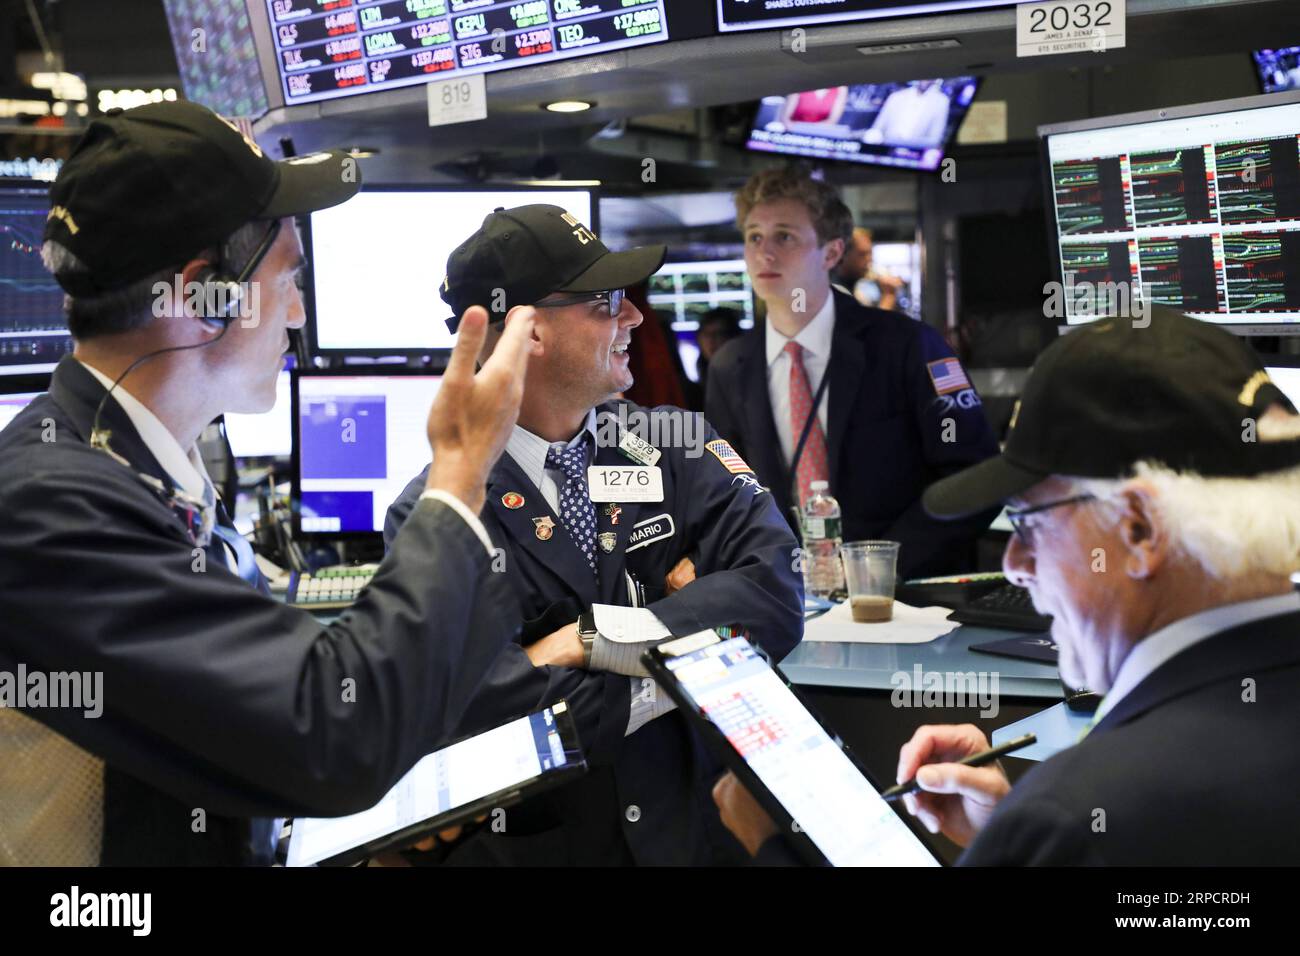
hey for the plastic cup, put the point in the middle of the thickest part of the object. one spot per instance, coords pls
(869, 571)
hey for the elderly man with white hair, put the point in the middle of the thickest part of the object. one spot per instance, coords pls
(1153, 479)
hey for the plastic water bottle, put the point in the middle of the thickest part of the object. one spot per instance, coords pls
(823, 570)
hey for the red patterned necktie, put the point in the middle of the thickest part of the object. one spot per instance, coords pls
(812, 462)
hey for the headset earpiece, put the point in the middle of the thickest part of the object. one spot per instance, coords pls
(221, 296)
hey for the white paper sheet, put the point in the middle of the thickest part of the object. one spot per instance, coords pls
(911, 625)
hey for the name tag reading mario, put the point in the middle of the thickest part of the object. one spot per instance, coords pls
(625, 483)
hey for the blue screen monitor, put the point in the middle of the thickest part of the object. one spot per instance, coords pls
(360, 439)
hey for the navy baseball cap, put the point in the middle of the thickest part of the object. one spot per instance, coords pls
(519, 256)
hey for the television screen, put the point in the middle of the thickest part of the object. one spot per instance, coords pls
(332, 48)
(1199, 211)
(378, 261)
(1279, 69)
(890, 124)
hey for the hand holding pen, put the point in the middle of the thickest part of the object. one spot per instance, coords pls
(952, 797)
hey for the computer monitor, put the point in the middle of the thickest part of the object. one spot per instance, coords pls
(378, 262)
(360, 439)
(267, 435)
(683, 292)
(1194, 207)
(33, 328)
(1279, 69)
(888, 124)
(12, 404)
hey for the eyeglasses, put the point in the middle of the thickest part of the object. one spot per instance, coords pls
(1024, 529)
(614, 297)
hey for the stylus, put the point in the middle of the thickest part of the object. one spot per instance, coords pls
(974, 760)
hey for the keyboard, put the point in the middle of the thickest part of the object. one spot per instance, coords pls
(1007, 607)
(329, 589)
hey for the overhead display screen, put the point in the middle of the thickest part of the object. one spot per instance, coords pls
(331, 48)
(1200, 213)
(766, 14)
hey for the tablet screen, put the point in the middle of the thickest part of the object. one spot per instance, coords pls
(454, 777)
(834, 804)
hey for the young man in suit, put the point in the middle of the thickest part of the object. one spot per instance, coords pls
(700, 520)
(1154, 473)
(896, 411)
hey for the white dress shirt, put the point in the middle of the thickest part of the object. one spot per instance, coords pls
(815, 338)
(185, 468)
(529, 452)
(912, 118)
(1171, 640)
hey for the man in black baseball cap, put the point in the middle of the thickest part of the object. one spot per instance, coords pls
(222, 709)
(1153, 477)
(601, 502)
(520, 256)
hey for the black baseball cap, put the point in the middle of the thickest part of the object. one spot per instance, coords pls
(154, 186)
(1116, 392)
(531, 251)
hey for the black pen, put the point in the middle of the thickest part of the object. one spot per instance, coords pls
(974, 760)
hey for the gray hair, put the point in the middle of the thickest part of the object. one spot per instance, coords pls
(1230, 527)
(131, 307)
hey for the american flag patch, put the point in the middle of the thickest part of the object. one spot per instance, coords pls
(947, 376)
(723, 451)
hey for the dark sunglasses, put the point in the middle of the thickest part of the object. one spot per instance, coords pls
(614, 297)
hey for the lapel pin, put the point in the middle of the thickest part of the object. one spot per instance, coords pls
(512, 500)
(544, 527)
(612, 511)
(607, 540)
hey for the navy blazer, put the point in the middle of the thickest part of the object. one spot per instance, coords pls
(217, 696)
(745, 564)
(890, 433)
(1196, 766)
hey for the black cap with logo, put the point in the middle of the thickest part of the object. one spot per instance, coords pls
(1179, 391)
(154, 186)
(519, 256)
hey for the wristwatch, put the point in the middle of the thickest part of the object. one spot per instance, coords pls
(587, 633)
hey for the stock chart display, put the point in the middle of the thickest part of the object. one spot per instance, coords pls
(1200, 213)
(33, 331)
(330, 48)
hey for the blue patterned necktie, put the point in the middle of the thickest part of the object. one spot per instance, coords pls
(577, 513)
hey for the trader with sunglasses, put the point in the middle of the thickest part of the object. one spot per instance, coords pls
(574, 537)
(1153, 470)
